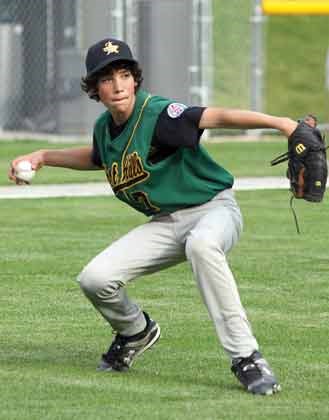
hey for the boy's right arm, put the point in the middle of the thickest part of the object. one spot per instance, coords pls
(79, 158)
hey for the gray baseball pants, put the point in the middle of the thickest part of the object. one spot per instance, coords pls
(203, 235)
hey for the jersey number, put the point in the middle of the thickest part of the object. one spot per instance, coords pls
(141, 198)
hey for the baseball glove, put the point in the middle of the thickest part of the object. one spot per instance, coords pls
(307, 161)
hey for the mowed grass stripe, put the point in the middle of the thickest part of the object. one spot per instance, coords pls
(51, 338)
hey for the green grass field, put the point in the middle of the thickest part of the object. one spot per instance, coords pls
(51, 337)
(243, 159)
(296, 56)
(294, 60)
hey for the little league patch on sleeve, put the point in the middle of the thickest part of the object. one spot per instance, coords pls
(175, 109)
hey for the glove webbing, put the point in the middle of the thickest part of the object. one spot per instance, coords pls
(284, 157)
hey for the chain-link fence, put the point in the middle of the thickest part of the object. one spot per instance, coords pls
(43, 43)
(33, 35)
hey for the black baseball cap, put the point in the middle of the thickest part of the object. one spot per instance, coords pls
(106, 52)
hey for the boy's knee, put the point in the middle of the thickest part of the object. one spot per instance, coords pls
(199, 247)
(95, 282)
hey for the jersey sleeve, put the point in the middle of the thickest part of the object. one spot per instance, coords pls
(178, 127)
(95, 156)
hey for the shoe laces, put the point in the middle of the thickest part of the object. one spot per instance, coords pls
(115, 349)
(251, 365)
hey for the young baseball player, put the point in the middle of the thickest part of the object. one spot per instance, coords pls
(149, 147)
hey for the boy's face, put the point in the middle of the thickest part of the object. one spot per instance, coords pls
(116, 91)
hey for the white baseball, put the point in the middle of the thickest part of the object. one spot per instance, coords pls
(24, 171)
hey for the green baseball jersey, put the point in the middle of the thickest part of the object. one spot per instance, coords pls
(188, 177)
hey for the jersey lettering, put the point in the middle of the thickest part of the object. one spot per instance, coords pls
(132, 173)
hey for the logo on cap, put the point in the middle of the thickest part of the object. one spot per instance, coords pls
(110, 48)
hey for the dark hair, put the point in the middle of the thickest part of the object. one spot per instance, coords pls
(89, 85)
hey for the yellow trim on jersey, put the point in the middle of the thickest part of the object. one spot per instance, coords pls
(134, 129)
